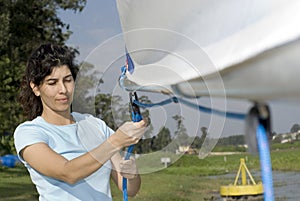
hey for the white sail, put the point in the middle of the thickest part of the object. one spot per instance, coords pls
(242, 49)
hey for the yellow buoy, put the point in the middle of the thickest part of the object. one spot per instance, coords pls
(243, 189)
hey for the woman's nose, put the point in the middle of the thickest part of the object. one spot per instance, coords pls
(62, 88)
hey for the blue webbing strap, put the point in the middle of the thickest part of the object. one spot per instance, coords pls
(129, 62)
(265, 162)
(195, 106)
(135, 117)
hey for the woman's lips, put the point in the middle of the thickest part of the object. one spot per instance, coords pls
(63, 100)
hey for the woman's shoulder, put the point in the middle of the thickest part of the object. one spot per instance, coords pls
(33, 128)
(31, 123)
(85, 116)
(81, 116)
(88, 118)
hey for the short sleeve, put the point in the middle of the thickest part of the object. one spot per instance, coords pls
(105, 129)
(27, 134)
(101, 125)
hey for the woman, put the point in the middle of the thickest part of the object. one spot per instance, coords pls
(70, 156)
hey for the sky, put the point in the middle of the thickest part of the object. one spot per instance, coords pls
(97, 33)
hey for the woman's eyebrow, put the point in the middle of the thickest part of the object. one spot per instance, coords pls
(51, 79)
(55, 79)
(70, 75)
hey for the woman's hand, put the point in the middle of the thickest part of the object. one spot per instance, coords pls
(128, 168)
(129, 133)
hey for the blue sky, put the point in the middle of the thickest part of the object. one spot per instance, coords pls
(99, 22)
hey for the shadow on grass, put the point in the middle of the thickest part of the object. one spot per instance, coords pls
(16, 185)
(18, 192)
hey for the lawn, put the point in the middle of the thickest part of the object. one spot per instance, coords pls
(186, 180)
(15, 185)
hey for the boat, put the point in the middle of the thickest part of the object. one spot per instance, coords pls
(235, 49)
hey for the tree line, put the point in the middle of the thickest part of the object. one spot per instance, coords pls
(24, 25)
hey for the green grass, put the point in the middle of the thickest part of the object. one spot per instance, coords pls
(15, 185)
(166, 187)
(184, 180)
(285, 146)
(286, 160)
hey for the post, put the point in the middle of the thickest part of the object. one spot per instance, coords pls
(244, 179)
(165, 161)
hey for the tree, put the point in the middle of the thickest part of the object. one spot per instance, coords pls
(145, 145)
(295, 128)
(196, 143)
(25, 24)
(204, 134)
(278, 139)
(181, 132)
(146, 114)
(113, 114)
(84, 96)
(162, 139)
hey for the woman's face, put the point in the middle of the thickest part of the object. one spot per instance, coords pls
(56, 90)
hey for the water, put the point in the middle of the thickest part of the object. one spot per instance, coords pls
(286, 184)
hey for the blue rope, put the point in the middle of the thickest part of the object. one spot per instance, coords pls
(136, 117)
(124, 183)
(124, 186)
(195, 106)
(165, 102)
(265, 163)
(122, 77)
(129, 62)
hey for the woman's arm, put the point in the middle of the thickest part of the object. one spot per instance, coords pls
(126, 168)
(43, 159)
(46, 161)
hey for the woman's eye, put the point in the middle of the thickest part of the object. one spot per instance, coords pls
(51, 83)
(68, 80)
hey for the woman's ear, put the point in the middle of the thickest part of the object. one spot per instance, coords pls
(35, 89)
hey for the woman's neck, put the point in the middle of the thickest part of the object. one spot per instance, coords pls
(58, 118)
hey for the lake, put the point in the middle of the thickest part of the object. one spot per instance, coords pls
(286, 184)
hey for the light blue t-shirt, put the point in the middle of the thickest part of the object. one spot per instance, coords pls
(70, 141)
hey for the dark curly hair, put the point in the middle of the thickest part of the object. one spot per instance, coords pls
(40, 64)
